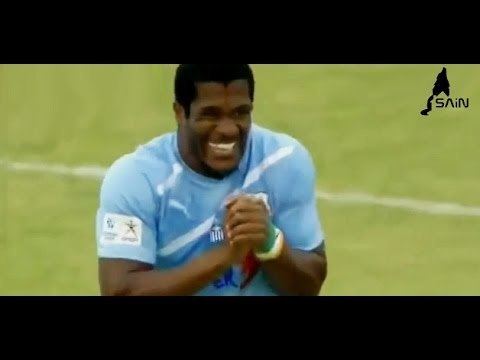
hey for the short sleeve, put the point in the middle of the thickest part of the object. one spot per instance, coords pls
(126, 217)
(296, 214)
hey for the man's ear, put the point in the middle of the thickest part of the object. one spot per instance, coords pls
(179, 113)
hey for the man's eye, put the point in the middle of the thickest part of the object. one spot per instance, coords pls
(241, 114)
(208, 116)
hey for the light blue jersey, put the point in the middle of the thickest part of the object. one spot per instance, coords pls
(155, 209)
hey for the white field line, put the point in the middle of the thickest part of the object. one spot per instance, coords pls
(423, 206)
(415, 205)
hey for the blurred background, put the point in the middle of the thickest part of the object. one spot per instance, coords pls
(378, 160)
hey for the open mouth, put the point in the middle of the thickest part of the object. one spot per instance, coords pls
(222, 148)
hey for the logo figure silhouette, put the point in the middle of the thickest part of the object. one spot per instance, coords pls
(441, 85)
(131, 228)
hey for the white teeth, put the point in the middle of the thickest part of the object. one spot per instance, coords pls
(222, 147)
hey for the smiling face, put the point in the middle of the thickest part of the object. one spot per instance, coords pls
(213, 138)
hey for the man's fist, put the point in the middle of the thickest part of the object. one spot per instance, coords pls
(246, 222)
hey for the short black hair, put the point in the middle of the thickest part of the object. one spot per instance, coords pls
(187, 75)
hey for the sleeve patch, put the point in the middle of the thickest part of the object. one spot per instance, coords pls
(121, 230)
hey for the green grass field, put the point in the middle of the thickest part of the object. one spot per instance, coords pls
(360, 122)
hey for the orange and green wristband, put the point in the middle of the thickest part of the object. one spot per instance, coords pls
(273, 245)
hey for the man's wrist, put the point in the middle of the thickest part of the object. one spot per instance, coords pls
(273, 245)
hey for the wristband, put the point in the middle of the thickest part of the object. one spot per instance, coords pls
(273, 246)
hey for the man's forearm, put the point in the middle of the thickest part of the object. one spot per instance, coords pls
(185, 280)
(297, 272)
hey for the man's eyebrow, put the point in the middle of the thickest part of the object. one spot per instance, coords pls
(243, 107)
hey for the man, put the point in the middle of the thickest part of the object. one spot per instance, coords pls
(219, 207)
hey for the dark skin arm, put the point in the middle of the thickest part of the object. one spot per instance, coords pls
(297, 272)
(125, 277)
(294, 272)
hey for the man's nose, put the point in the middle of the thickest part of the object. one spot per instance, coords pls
(227, 128)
